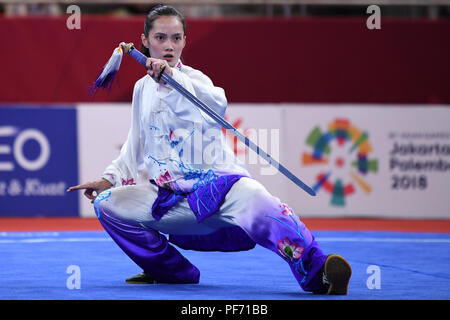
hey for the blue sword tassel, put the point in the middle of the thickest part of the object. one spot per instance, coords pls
(108, 73)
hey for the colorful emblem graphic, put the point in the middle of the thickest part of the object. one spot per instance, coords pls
(342, 156)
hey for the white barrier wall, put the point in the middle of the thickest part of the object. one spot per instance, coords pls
(363, 160)
(102, 129)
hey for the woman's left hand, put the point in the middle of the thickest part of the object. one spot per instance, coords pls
(154, 67)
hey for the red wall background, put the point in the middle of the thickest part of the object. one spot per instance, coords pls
(323, 60)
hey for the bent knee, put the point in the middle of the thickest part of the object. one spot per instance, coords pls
(256, 195)
(131, 203)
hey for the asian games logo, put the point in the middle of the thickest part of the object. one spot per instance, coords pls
(342, 156)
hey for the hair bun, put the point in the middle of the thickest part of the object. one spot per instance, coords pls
(157, 7)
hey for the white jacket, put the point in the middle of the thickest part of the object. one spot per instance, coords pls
(171, 140)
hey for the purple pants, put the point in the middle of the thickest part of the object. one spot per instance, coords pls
(245, 214)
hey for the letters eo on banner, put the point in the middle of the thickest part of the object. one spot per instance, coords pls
(38, 161)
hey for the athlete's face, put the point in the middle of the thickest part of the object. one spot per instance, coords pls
(166, 39)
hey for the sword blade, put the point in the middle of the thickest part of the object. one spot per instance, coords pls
(230, 128)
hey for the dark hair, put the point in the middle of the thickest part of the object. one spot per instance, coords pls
(156, 12)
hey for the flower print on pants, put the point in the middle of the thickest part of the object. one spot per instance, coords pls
(286, 210)
(290, 250)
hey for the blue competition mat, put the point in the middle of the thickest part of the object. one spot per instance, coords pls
(89, 265)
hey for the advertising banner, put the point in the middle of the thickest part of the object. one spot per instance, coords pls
(362, 160)
(38, 161)
(374, 161)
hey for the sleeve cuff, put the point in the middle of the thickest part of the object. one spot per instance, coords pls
(109, 177)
